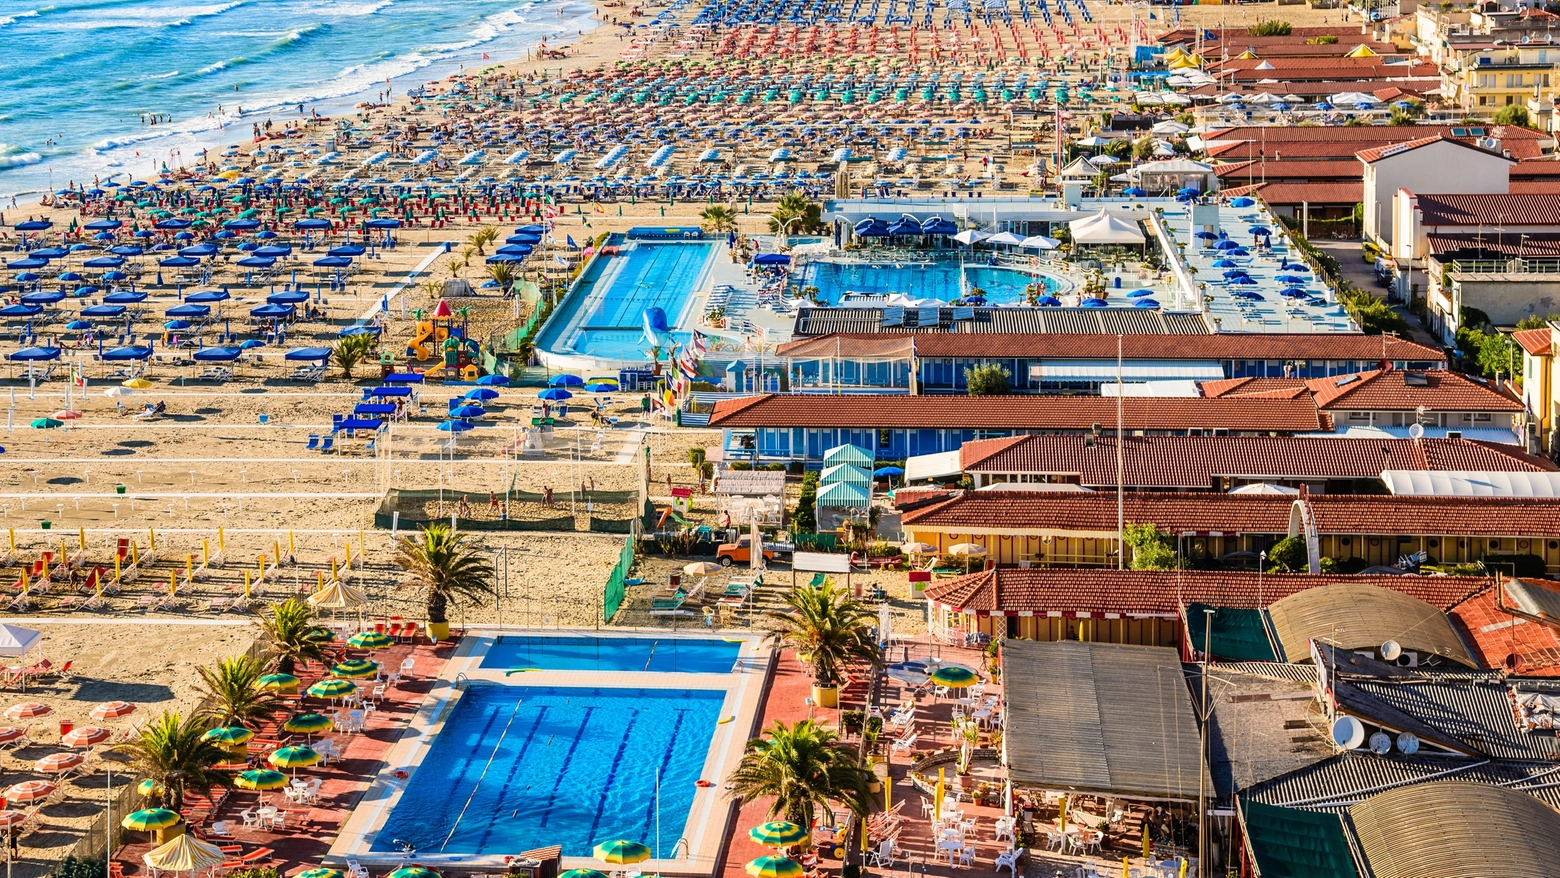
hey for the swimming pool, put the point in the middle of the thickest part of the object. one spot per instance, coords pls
(940, 279)
(668, 655)
(521, 767)
(604, 316)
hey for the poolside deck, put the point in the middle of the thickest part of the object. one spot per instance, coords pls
(787, 702)
(311, 828)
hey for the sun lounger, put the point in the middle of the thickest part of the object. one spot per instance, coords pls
(671, 606)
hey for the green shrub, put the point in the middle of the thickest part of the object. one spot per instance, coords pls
(1512, 114)
(1270, 29)
(805, 519)
(70, 867)
(988, 379)
(1525, 565)
(1152, 548)
(1288, 555)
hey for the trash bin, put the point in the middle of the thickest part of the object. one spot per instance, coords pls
(66, 725)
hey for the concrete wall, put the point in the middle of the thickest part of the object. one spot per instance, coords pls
(1437, 169)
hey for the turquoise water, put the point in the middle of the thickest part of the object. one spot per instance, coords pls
(658, 655)
(520, 767)
(933, 280)
(78, 74)
(605, 317)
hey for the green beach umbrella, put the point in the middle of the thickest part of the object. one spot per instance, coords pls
(150, 819)
(370, 640)
(413, 872)
(308, 723)
(320, 634)
(47, 423)
(955, 677)
(229, 736)
(333, 688)
(583, 873)
(147, 787)
(778, 834)
(296, 756)
(277, 682)
(321, 872)
(260, 779)
(355, 668)
(620, 852)
(775, 867)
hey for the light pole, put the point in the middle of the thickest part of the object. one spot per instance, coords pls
(1202, 749)
(1261, 563)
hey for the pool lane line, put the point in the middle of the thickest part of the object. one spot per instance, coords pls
(617, 760)
(461, 761)
(496, 812)
(568, 756)
(666, 761)
(478, 785)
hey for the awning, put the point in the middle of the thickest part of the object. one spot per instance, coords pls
(942, 465)
(1470, 483)
(1289, 841)
(1131, 370)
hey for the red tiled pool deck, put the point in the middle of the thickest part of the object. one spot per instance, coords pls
(310, 829)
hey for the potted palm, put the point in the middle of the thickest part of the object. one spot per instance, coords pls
(289, 630)
(828, 629)
(234, 695)
(447, 569)
(172, 752)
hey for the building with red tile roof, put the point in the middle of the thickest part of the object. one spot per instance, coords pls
(1500, 639)
(1079, 528)
(1219, 463)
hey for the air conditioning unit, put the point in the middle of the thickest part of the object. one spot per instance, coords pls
(1408, 658)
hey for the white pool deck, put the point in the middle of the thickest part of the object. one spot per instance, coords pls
(706, 821)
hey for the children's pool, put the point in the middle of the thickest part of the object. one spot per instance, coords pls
(667, 655)
(604, 317)
(940, 279)
(522, 767)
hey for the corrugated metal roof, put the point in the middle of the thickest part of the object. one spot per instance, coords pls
(1490, 210)
(1363, 616)
(1100, 718)
(1260, 728)
(1174, 346)
(1289, 843)
(1532, 599)
(1352, 776)
(1457, 829)
(1478, 712)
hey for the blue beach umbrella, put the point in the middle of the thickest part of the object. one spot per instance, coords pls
(555, 394)
(454, 426)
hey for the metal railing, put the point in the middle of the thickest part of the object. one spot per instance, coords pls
(1505, 266)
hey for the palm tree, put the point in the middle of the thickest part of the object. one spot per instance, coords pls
(481, 238)
(351, 351)
(170, 752)
(233, 692)
(803, 766)
(288, 628)
(794, 212)
(503, 274)
(828, 629)
(447, 568)
(718, 218)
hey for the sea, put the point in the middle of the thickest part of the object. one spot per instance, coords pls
(79, 79)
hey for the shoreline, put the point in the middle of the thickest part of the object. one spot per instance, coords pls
(233, 130)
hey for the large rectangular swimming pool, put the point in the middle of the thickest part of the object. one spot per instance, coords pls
(521, 767)
(605, 317)
(667, 655)
(940, 279)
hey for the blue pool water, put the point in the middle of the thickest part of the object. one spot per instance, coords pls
(520, 767)
(605, 317)
(667, 655)
(939, 279)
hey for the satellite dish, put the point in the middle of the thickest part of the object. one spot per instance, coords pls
(1416, 431)
(1391, 650)
(1408, 743)
(1380, 743)
(1348, 733)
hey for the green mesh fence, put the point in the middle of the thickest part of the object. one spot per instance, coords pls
(612, 595)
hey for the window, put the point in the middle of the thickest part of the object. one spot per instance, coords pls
(1359, 416)
(885, 438)
(1481, 416)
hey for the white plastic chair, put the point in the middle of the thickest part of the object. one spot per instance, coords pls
(884, 855)
(967, 855)
(1010, 860)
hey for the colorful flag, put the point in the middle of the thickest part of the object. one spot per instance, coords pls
(700, 346)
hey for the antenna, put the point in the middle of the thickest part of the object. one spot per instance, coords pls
(1347, 733)
(1391, 650)
(1380, 743)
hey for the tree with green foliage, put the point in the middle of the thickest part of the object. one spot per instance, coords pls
(829, 628)
(1373, 315)
(72, 867)
(801, 768)
(796, 213)
(289, 630)
(1323, 40)
(805, 519)
(233, 693)
(1270, 28)
(718, 218)
(446, 567)
(352, 350)
(1288, 555)
(1533, 321)
(1152, 548)
(171, 752)
(1488, 351)
(988, 379)
(1512, 114)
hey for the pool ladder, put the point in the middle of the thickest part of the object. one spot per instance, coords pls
(681, 845)
(461, 681)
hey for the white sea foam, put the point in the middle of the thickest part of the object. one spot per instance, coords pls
(12, 19)
(16, 157)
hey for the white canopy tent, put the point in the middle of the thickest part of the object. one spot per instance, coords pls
(1104, 228)
(970, 236)
(19, 642)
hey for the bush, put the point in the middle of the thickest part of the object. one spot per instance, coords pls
(1512, 114)
(1270, 29)
(989, 379)
(1152, 548)
(1373, 315)
(257, 872)
(1288, 555)
(1323, 40)
(1525, 565)
(70, 867)
(805, 519)
(696, 456)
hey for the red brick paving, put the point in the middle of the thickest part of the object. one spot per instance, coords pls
(311, 829)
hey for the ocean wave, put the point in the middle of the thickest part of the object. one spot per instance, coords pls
(349, 10)
(12, 19)
(16, 157)
(171, 16)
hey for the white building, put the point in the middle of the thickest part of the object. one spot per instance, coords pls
(1428, 166)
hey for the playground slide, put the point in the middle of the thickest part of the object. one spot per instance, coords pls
(666, 513)
(417, 348)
